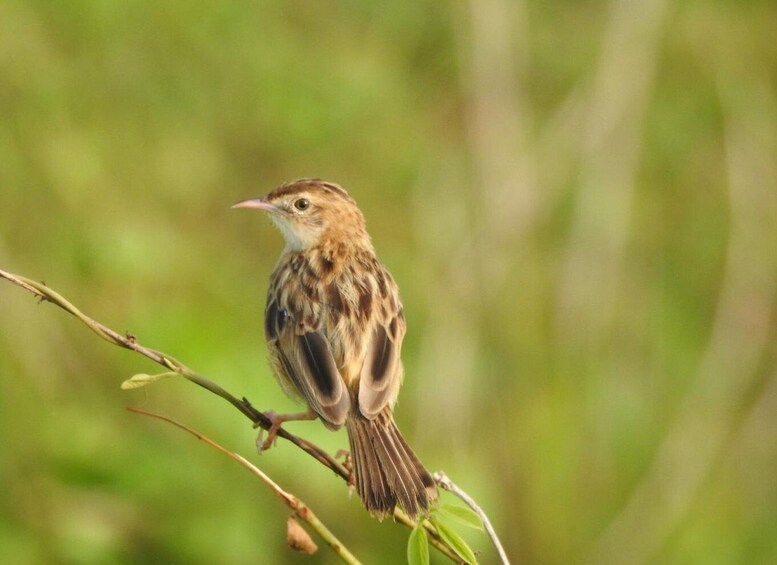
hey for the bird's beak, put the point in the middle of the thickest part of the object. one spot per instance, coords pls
(259, 203)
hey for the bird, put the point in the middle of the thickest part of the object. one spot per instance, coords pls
(334, 325)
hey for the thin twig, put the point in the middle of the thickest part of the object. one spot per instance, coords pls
(300, 509)
(444, 482)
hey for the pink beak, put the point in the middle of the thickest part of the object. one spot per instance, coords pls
(259, 203)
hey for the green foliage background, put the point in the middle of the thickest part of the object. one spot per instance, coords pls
(578, 200)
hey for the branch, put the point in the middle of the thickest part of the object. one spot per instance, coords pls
(128, 341)
(444, 482)
(300, 509)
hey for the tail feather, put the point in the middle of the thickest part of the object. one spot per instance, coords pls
(426, 479)
(387, 471)
(375, 494)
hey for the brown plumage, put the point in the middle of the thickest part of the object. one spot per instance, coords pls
(334, 327)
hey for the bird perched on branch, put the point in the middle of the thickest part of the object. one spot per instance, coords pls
(334, 327)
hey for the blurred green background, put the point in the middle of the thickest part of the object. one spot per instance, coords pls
(578, 200)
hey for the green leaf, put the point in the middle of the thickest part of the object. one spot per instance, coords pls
(455, 542)
(418, 546)
(142, 379)
(462, 515)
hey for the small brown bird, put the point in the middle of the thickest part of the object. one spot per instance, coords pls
(334, 327)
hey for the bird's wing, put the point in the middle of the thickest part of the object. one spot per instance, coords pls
(381, 373)
(306, 358)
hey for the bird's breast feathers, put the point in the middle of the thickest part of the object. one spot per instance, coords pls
(339, 299)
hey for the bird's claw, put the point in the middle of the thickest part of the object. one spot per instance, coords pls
(276, 422)
(345, 455)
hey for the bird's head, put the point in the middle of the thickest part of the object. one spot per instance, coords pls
(311, 212)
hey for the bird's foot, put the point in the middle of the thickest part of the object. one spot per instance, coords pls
(345, 455)
(276, 421)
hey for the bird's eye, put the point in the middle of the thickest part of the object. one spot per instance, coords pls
(302, 204)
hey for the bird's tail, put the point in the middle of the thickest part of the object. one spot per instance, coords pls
(387, 471)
